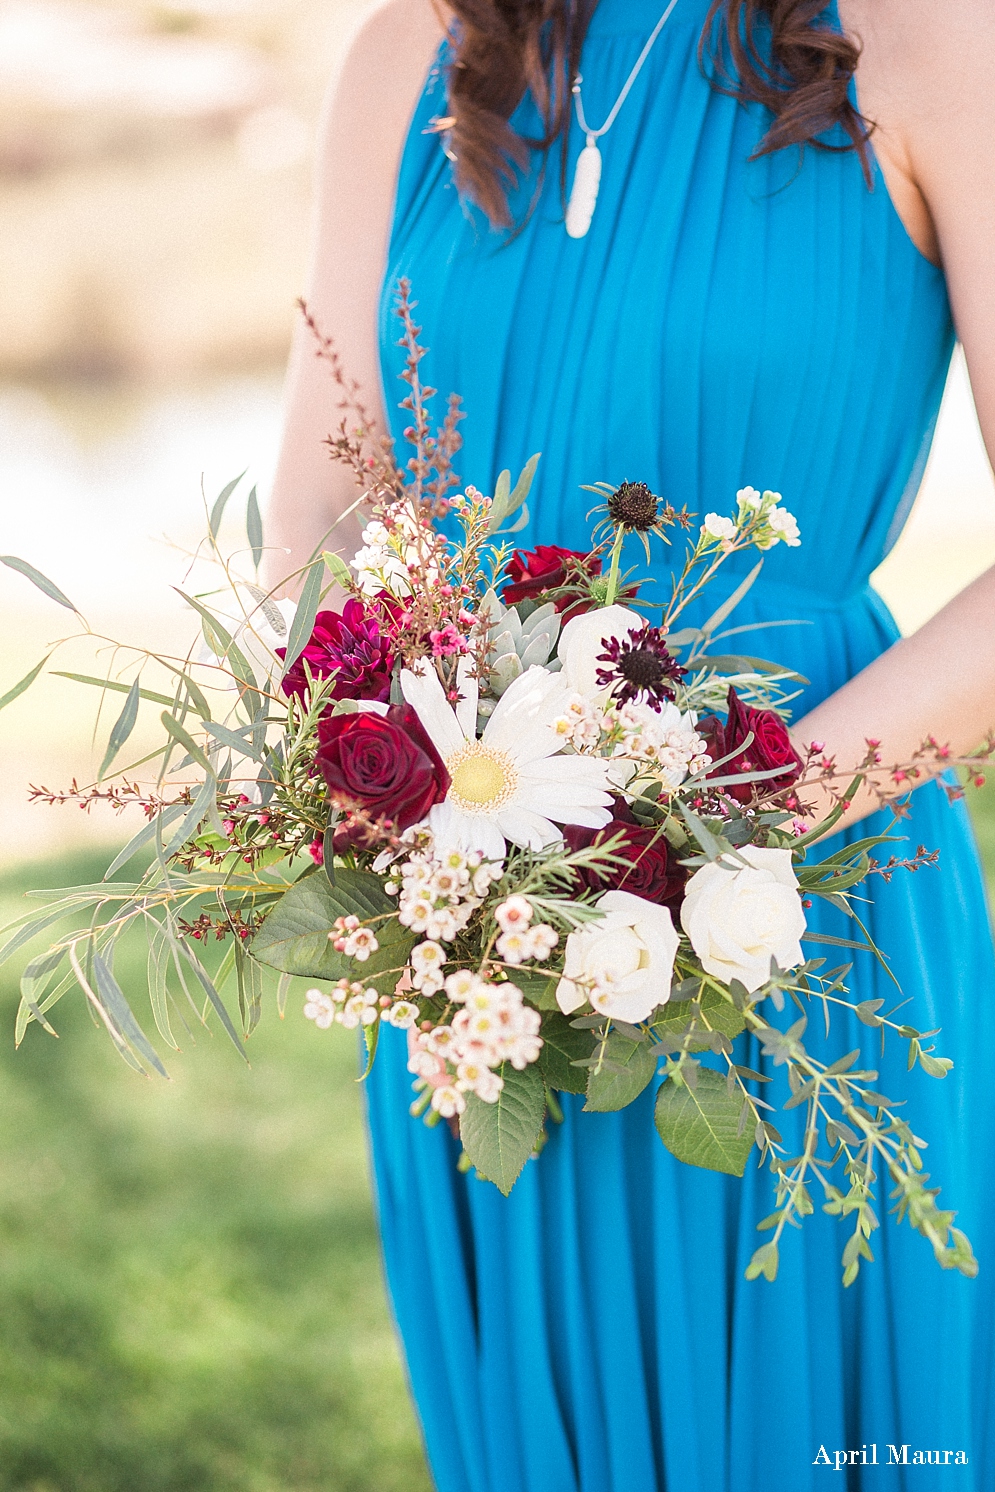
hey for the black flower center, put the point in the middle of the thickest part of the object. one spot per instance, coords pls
(634, 506)
(642, 667)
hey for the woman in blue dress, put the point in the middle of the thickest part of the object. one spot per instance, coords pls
(745, 306)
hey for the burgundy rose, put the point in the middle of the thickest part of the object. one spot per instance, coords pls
(352, 647)
(651, 869)
(547, 567)
(771, 747)
(385, 765)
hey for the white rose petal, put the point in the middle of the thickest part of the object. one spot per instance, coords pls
(624, 962)
(739, 917)
(583, 639)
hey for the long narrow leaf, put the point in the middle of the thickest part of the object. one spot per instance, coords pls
(185, 739)
(199, 809)
(114, 1000)
(122, 728)
(307, 610)
(85, 678)
(217, 511)
(731, 602)
(145, 836)
(158, 964)
(254, 528)
(123, 1049)
(216, 1001)
(234, 740)
(48, 587)
(24, 684)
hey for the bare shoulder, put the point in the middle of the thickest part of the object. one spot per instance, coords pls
(926, 80)
(923, 61)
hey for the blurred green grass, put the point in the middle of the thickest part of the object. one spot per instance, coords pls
(190, 1289)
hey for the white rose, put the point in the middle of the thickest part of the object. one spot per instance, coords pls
(583, 639)
(739, 917)
(717, 527)
(623, 963)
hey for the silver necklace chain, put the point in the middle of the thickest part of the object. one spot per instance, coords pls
(587, 176)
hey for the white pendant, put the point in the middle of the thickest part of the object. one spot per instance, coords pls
(584, 195)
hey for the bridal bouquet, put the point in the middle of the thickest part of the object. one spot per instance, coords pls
(486, 800)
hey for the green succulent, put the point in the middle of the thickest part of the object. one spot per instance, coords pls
(518, 642)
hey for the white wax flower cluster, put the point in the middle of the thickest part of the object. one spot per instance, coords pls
(521, 939)
(665, 737)
(580, 723)
(350, 1004)
(439, 890)
(493, 1026)
(390, 551)
(777, 525)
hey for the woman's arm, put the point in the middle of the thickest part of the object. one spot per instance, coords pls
(927, 78)
(364, 126)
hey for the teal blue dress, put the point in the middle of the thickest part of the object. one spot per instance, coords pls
(723, 323)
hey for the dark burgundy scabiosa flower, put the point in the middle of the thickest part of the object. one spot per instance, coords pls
(641, 668)
(634, 506)
(533, 573)
(771, 747)
(352, 647)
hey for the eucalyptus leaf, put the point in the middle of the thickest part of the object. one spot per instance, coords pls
(337, 568)
(499, 1137)
(294, 937)
(700, 1127)
(145, 836)
(304, 617)
(220, 502)
(122, 728)
(23, 684)
(48, 587)
(120, 1012)
(254, 528)
(630, 1065)
(119, 688)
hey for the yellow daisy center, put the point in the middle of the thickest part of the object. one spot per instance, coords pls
(482, 779)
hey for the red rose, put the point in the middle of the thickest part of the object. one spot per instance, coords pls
(547, 567)
(384, 764)
(651, 871)
(771, 747)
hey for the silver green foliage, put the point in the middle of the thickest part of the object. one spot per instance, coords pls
(518, 644)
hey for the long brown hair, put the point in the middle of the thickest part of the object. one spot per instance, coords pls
(773, 52)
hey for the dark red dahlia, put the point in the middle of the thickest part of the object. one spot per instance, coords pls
(352, 647)
(640, 668)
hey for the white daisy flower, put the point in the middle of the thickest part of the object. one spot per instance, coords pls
(506, 785)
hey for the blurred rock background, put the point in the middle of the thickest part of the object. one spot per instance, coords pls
(190, 1296)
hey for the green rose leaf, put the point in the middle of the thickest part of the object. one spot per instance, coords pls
(294, 937)
(562, 1046)
(699, 1125)
(499, 1137)
(720, 1013)
(538, 987)
(629, 1066)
